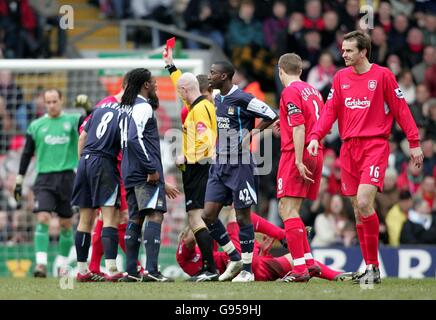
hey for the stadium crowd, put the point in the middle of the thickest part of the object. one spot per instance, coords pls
(254, 34)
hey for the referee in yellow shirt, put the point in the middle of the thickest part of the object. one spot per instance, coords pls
(199, 138)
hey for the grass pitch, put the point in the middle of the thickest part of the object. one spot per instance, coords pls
(316, 289)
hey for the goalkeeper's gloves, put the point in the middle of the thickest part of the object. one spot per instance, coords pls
(18, 189)
(82, 101)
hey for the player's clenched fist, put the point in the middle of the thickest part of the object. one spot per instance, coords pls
(313, 148)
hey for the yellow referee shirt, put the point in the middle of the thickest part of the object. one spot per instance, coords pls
(200, 127)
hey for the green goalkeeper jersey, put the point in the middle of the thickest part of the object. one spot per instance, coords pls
(55, 142)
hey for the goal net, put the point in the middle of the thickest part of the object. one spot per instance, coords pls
(22, 83)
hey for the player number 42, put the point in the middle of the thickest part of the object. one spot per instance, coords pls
(374, 171)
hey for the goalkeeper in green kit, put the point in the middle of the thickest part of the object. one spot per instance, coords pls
(53, 139)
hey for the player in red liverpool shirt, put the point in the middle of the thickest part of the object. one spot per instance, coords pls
(299, 174)
(365, 99)
(265, 266)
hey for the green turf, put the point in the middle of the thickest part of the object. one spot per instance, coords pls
(29, 288)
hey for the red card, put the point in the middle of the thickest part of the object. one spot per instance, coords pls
(171, 43)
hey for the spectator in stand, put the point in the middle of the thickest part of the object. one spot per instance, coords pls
(427, 191)
(335, 48)
(397, 216)
(420, 227)
(232, 8)
(406, 84)
(428, 148)
(389, 197)
(402, 7)
(311, 209)
(5, 127)
(398, 35)
(350, 14)
(397, 160)
(275, 24)
(291, 39)
(11, 92)
(428, 58)
(311, 51)
(321, 75)
(313, 15)
(334, 180)
(431, 119)
(141, 9)
(421, 103)
(411, 55)
(385, 201)
(430, 77)
(331, 23)
(384, 17)
(245, 81)
(48, 17)
(205, 18)
(18, 20)
(333, 226)
(430, 29)
(244, 30)
(393, 63)
(411, 178)
(380, 49)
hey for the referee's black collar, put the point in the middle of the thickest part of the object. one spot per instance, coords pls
(196, 101)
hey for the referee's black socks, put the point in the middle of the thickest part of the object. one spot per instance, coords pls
(204, 242)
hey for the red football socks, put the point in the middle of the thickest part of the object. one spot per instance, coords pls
(97, 248)
(361, 236)
(294, 237)
(264, 226)
(307, 252)
(371, 232)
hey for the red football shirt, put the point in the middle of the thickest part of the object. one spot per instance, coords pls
(300, 103)
(365, 106)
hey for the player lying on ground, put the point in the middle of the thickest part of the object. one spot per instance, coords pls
(265, 266)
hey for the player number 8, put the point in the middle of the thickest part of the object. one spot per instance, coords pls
(102, 127)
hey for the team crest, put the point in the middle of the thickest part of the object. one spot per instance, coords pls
(231, 111)
(67, 126)
(372, 84)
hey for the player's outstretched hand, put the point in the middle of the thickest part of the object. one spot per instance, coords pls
(168, 56)
(153, 178)
(171, 191)
(276, 128)
(313, 148)
(417, 156)
(304, 172)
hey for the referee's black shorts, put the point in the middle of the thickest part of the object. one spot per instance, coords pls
(194, 184)
(53, 193)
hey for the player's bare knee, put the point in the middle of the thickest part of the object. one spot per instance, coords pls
(364, 206)
(43, 217)
(155, 217)
(66, 224)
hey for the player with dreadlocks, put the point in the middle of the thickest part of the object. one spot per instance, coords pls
(143, 175)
